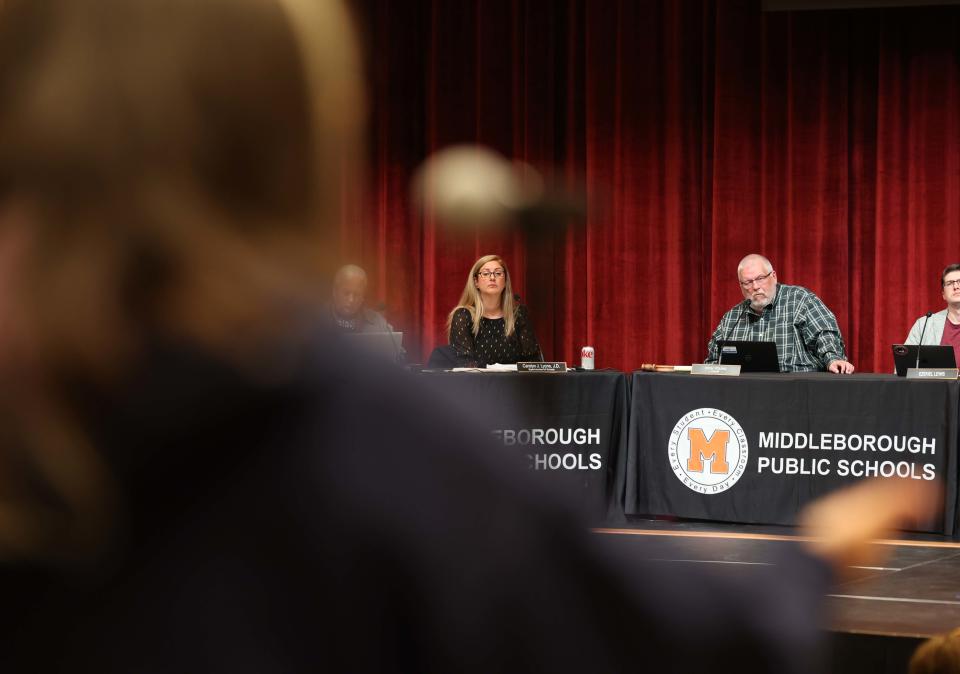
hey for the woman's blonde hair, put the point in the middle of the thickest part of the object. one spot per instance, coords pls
(470, 297)
(169, 167)
(937, 655)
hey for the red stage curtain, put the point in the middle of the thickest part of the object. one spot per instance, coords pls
(827, 140)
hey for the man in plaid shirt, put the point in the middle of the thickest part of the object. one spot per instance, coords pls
(806, 332)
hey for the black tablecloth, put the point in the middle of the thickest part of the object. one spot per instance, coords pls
(765, 445)
(571, 428)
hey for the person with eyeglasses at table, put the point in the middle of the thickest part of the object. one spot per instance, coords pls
(806, 332)
(488, 325)
(943, 328)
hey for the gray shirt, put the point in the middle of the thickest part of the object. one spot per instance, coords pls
(933, 332)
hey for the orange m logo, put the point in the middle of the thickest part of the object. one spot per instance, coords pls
(713, 450)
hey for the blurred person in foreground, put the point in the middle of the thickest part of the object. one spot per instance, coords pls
(190, 479)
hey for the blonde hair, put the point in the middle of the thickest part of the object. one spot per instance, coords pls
(171, 167)
(470, 297)
(937, 655)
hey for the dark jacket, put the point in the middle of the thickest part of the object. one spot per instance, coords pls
(325, 518)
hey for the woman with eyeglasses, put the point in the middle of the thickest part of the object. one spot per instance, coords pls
(488, 325)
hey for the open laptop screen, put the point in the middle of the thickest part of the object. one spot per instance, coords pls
(386, 344)
(931, 355)
(750, 356)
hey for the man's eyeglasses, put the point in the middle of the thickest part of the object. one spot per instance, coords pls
(757, 280)
(954, 283)
(496, 273)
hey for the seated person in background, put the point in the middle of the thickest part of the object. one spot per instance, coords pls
(943, 326)
(487, 325)
(349, 310)
(350, 314)
(939, 654)
(806, 332)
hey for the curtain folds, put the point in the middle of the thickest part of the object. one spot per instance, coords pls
(702, 131)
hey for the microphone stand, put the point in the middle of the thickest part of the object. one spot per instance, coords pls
(920, 342)
(743, 310)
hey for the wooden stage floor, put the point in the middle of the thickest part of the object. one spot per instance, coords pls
(878, 614)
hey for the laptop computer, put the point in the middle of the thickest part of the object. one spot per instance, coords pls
(383, 344)
(750, 356)
(931, 355)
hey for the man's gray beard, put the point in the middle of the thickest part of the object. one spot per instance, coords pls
(764, 303)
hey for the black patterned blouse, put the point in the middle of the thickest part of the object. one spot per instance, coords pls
(491, 345)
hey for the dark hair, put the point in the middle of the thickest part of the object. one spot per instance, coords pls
(946, 270)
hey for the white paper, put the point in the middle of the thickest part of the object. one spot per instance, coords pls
(493, 367)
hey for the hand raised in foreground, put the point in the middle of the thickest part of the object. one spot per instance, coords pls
(841, 526)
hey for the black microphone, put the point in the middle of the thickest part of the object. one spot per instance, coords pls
(922, 330)
(730, 330)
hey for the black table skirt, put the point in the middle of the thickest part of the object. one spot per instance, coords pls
(757, 448)
(569, 429)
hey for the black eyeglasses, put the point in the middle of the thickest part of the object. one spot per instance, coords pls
(496, 273)
(758, 280)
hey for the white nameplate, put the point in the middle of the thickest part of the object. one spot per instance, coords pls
(933, 373)
(714, 369)
(548, 366)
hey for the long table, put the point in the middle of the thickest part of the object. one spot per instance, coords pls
(569, 429)
(757, 448)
